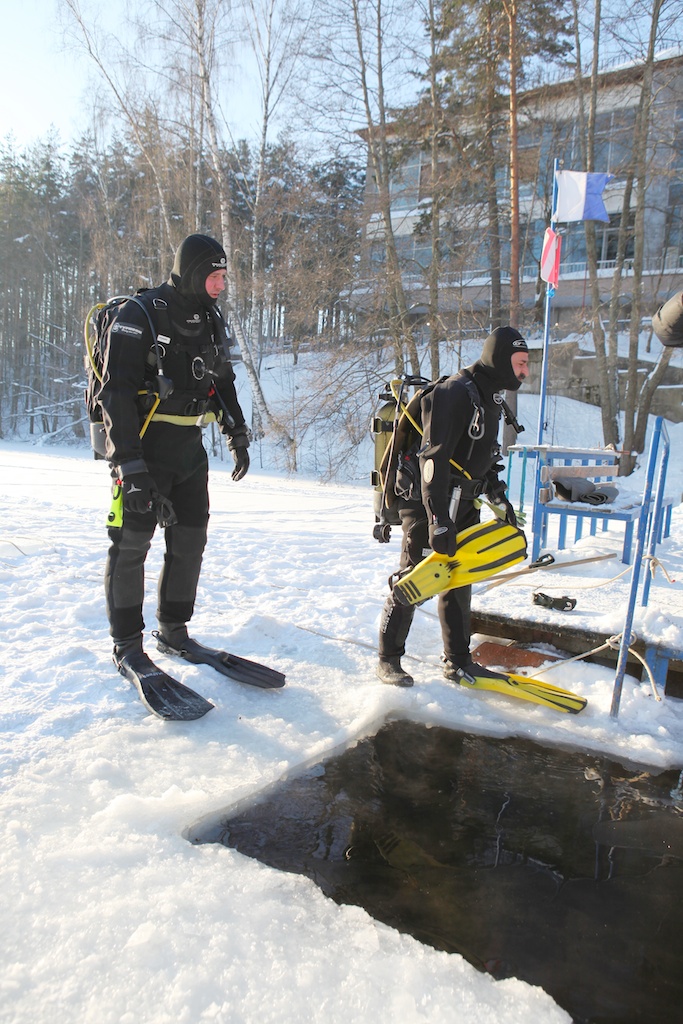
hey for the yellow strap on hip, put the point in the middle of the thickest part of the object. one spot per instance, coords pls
(180, 421)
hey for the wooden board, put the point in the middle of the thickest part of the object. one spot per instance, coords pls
(491, 653)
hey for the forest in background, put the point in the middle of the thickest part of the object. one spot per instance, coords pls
(79, 228)
(157, 161)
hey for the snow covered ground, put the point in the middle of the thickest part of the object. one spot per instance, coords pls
(109, 913)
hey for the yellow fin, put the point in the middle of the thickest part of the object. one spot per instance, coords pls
(483, 550)
(512, 685)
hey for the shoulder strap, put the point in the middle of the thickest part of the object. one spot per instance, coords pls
(222, 336)
(160, 307)
(476, 428)
(472, 389)
(143, 306)
(151, 303)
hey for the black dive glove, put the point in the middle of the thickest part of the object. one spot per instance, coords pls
(238, 443)
(442, 536)
(510, 516)
(139, 492)
(241, 457)
(496, 490)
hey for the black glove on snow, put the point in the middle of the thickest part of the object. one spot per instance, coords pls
(442, 537)
(241, 457)
(139, 491)
(238, 442)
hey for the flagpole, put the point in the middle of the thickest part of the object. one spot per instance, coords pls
(549, 293)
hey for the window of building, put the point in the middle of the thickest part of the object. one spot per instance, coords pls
(677, 147)
(404, 184)
(674, 227)
(442, 172)
(414, 253)
(614, 141)
(529, 156)
(606, 243)
(377, 255)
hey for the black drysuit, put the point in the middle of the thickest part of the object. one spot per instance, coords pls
(192, 342)
(447, 417)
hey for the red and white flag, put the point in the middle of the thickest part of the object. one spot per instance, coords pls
(550, 257)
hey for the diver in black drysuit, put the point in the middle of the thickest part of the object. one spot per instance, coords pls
(168, 463)
(449, 415)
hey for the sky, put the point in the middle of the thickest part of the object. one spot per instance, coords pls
(41, 82)
(114, 916)
(45, 80)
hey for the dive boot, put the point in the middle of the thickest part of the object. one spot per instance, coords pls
(389, 671)
(466, 673)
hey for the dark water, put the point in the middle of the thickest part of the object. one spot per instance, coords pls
(562, 869)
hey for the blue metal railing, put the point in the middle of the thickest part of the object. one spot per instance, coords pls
(651, 520)
(657, 513)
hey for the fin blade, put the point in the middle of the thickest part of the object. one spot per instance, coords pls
(243, 670)
(169, 699)
(510, 684)
(483, 550)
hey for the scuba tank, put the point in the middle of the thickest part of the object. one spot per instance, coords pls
(397, 432)
(382, 427)
(389, 441)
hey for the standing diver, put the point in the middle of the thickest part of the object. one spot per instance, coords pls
(452, 431)
(166, 462)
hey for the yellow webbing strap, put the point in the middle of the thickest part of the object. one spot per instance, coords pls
(150, 415)
(180, 421)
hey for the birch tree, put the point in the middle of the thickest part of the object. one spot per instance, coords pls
(634, 439)
(190, 35)
(359, 82)
(276, 30)
(123, 92)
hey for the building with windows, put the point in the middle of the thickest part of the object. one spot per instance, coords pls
(550, 127)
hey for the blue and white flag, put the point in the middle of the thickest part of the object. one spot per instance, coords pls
(579, 196)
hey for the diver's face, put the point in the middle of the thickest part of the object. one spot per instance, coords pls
(520, 365)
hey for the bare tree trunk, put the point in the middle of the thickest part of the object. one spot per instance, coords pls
(203, 52)
(641, 154)
(379, 156)
(265, 55)
(495, 258)
(277, 49)
(606, 372)
(126, 107)
(650, 385)
(509, 434)
(435, 329)
(515, 307)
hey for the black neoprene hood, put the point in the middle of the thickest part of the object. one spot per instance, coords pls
(197, 256)
(496, 354)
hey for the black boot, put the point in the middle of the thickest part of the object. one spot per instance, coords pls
(172, 633)
(135, 664)
(131, 660)
(126, 647)
(468, 671)
(389, 670)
